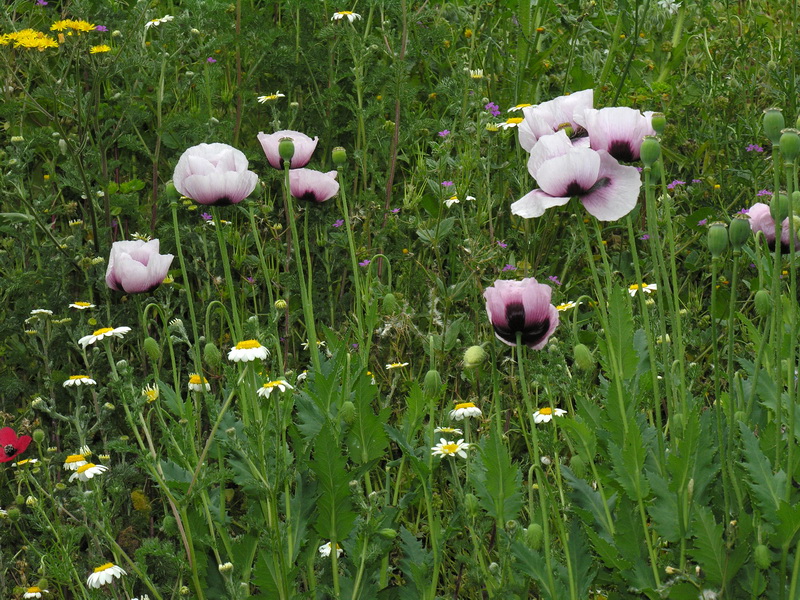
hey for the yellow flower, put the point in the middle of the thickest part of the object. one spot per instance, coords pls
(99, 49)
(81, 305)
(511, 122)
(565, 306)
(74, 461)
(150, 392)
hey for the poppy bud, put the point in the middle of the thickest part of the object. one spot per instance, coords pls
(534, 535)
(474, 357)
(658, 121)
(739, 231)
(790, 144)
(211, 355)
(388, 533)
(389, 303)
(152, 348)
(779, 207)
(773, 124)
(38, 436)
(348, 412)
(172, 192)
(339, 156)
(433, 383)
(763, 557)
(650, 151)
(584, 359)
(717, 239)
(286, 149)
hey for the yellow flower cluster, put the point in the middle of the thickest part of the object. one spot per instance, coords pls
(72, 25)
(28, 38)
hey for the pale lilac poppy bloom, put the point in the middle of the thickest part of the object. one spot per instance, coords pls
(136, 266)
(308, 184)
(608, 190)
(551, 116)
(618, 130)
(761, 220)
(214, 174)
(304, 147)
(521, 307)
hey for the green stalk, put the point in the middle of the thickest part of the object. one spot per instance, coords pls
(354, 264)
(723, 447)
(226, 266)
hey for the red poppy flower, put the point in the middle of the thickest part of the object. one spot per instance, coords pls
(11, 445)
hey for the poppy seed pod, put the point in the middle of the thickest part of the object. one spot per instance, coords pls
(659, 122)
(650, 151)
(779, 207)
(339, 156)
(286, 149)
(773, 124)
(763, 302)
(790, 144)
(739, 232)
(717, 239)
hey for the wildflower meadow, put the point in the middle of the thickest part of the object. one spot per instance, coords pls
(399, 299)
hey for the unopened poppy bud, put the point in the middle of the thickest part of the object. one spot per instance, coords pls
(739, 232)
(348, 412)
(583, 357)
(474, 357)
(286, 149)
(389, 303)
(773, 124)
(740, 416)
(211, 355)
(172, 192)
(471, 504)
(779, 207)
(511, 526)
(762, 556)
(658, 122)
(534, 535)
(388, 533)
(280, 304)
(20, 499)
(14, 514)
(339, 156)
(717, 239)
(578, 466)
(650, 151)
(152, 349)
(38, 436)
(790, 144)
(433, 383)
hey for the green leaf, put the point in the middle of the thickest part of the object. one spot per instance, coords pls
(664, 509)
(709, 549)
(416, 565)
(591, 501)
(497, 481)
(580, 560)
(789, 517)
(617, 346)
(767, 487)
(9, 218)
(436, 234)
(335, 515)
(628, 463)
(367, 439)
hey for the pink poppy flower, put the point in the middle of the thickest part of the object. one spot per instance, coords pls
(521, 307)
(136, 266)
(214, 174)
(551, 116)
(308, 184)
(761, 220)
(608, 190)
(304, 147)
(618, 130)
(12, 446)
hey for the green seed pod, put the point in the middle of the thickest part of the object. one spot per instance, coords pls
(390, 305)
(474, 356)
(763, 303)
(211, 355)
(650, 151)
(773, 124)
(20, 499)
(739, 232)
(717, 239)
(286, 149)
(348, 412)
(534, 535)
(38, 436)
(432, 384)
(388, 533)
(658, 122)
(578, 466)
(779, 207)
(790, 144)
(152, 349)
(471, 504)
(14, 514)
(339, 156)
(762, 556)
(583, 357)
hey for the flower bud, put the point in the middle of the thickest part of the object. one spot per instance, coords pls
(494, 568)
(739, 231)
(433, 383)
(790, 144)
(762, 556)
(152, 349)
(348, 412)
(583, 357)
(31, 501)
(388, 533)
(650, 151)
(184, 591)
(389, 303)
(534, 535)
(14, 514)
(211, 355)
(339, 156)
(740, 416)
(286, 149)
(225, 567)
(773, 124)
(658, 122)
(511, 526)
(717, 239)
(172, 192)
(61, 487)
(779, 207)
(38, 436)
(280, 304)
(471, 504)
(474, 356)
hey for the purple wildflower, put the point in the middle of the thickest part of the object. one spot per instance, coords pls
(644, 237)
(754, 148)
(764, 193)
(447, 183)
(364, 262)
(493, 108)
(395, 210)
(509, 268)
(250, 280)
(444, 133)
(554, 279)
(744, 211)
(697, 181)
(98, 27)
(338, 222)
(640, 169)
(206, 216)
(675, 183)
(211, 60)
(702, 222)
(41, 2)
(501, 244)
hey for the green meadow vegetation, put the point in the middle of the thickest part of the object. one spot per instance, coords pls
(399, 299)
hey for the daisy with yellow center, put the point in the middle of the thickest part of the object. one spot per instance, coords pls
(647, 289)
(27, 461)
(546, 414)
(565, 306)
(34, 592)
(74, 461)
(87, 471)
(465, 410)
(99, 49)
(511, 122)
(450, 430)
(105, 574)
(345, 14)
(325, 550)
(476, 73)
(198, 383)
(103, 333)
(265, 390)
(79, 380)
(41, 312)
(81, 305)
(270, 97)
(446, 448)
(247, 351)
(150, 392)
(518, 107)
(75, 222)
(396, 365)
(157, 22)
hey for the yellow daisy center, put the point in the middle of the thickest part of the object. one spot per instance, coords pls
(447, 430)
(75, 377)
(103, 330)
(86, 304)
(248, 345)
(272, 384)
(34, 590)
(450, 448)
(345, 12)
(85, 468)
(73, 458)
(515, 120)
(465, 405)
(102, 568)
(546, 411)
(523, 105)
(197, 380)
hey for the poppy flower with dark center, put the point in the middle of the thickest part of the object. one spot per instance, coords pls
(136, 266)
(10, 445)
(521, 307)
(761, 220)
(618, 130)
(558, 114)
(214, 174)
(311, 185)
(304, 147)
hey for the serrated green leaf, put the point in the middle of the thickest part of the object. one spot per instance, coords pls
(789, 518)
(607, 552)
(664, 509)
(580, 559)
(366, 438)
(416, 564)
(591, 501)
(767, 487)
(617, 345)
(498, 482)
(335, 515)
(709, 549)
(629, 464)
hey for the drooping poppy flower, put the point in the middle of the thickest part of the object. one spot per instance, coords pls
(521, 307)
(761, 220)
(135, 266)
(12, 446)
(608, 190)
(214, 174)
(555, 115)
(308, 184)
(304, 147)
(618, 130)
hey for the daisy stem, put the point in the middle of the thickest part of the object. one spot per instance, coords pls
(226, 265)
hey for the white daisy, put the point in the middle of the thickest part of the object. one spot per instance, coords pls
(27, 461)
(74, 461)
(320, 344)
(450, 430)
(79, 380)
(87, 471)
(446, 448)
(35, 592)
(646, 288)
(81, 305)
(265, 390)
(511, 122)
(565, 306)
(345, 14)
(198, 384)
(41, 312)
(248, 350)
(396, 365)
(157, 22)
(476, 73)
(546, 414)
(518, 107)
(465, 410)
(325, 550)
(105, 574)
(269, 98)
(103, 333)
